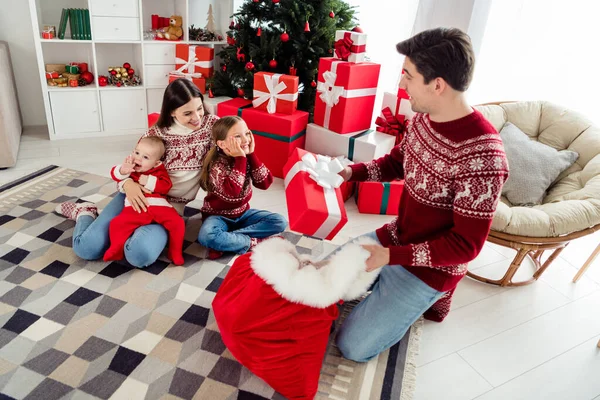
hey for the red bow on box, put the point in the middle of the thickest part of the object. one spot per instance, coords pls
(392, 125)
(343, 47)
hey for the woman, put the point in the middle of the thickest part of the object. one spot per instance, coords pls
(186, 130)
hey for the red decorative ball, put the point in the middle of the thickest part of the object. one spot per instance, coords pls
(330, 51)
(275, 1)
(119, 84)
(284, 37)
(224, 68)
(87, 77)
(357, 29)
(130, 71)
(331, 15)
(256, 1)
(249, 65)
(273, 64)
(113, 72)
(126, 65)
(102, 80)
(313, 84)
(231, 25)
(240, 92)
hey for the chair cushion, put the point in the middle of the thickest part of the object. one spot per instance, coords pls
(533, 166)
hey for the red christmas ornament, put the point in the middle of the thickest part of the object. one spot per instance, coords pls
(126, 65)
(357, 29)
(306, 27)
(240, 57)
(237, 26)
(256, 1)
(230, 41)
(275, 1)
(224, 68)
(87, 77)
(231, 25)
(249, 65)
(130, 71)
(259, 31)
(293, 71)
(313, 83)
(102, 80)
(210, 93)
(119, 84)
(240, 92)
(113, 72)
(284, 37)
(273, 64)
(330, 51)
(331, 14)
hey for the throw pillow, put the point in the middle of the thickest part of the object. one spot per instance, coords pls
(533, 166)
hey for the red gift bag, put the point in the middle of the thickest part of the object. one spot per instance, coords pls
(279, 330)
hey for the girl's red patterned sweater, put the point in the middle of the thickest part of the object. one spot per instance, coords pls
(453, 173)
(230, 185)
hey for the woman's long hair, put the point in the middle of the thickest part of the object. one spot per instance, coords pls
(219, 132)
(178, 93)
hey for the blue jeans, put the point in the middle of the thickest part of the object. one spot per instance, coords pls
(233, 235)
(397, 300)
(91, 240)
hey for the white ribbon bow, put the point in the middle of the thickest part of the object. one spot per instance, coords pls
(274, 89)
(330, 94)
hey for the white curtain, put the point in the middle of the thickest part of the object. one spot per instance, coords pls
(541, 50)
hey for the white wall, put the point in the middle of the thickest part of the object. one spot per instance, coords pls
(15, 28)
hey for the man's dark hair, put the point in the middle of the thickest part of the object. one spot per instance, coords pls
(446, 53)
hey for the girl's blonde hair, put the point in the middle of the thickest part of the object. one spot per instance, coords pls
(219, 132)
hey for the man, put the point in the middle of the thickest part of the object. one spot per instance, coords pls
(454, 166)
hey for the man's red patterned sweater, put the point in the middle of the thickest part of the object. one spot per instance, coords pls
(453, 173)
(230, 185)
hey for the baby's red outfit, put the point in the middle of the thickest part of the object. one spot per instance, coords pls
(159, 211)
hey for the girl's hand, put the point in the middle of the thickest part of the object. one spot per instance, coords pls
(127, 166)
(135, 194)
(252, 144)
(233, 148)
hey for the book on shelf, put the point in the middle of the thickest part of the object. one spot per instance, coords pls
(78, 20)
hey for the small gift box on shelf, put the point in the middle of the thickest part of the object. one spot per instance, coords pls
(197, 78)
(211, 104)
(191, 59)
(345, 95)
(49, 32)
(52, 75)
(350, 46)
(72, 68)
(60, 68)
(379, 197)
(359, 147)
(71, 77)
(275, 135)
(396, 111)
(312, 191)
(275, 92)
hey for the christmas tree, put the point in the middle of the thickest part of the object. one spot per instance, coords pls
(210, 20)
(281, 36)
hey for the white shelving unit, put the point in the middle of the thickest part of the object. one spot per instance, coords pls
(117, 28)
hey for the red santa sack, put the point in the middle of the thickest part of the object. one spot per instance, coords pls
(275, 308)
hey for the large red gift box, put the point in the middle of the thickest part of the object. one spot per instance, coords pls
(315, 205)
(275, 135)
(195, 59)
(345, 95)
(275, 92)
(379, 197)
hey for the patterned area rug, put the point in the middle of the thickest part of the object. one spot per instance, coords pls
(76, 329)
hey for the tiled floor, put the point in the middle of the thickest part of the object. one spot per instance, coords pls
(533, 342)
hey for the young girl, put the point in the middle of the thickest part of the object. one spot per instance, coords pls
(186, 130)
(229, 170)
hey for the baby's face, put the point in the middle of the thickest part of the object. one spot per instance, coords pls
(145, 156)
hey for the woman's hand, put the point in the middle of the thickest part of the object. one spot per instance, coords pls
(135, 194)
(233, 148)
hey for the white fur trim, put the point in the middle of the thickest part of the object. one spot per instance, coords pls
(344, 277)
(151, 183)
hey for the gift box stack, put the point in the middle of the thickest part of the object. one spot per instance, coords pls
(195, 63)
(278, 127)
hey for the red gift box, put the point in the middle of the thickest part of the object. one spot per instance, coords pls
(275, 135)
(315, 206)
(379, 197)
(396, 111)
(194, 60)
(52, 75)
(275, 92)
(346, 95)
(199, 82)
(347, 190)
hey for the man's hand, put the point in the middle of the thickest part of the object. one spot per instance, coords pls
(346, 173)
(380, 256)
(143, 180)
(127, 166)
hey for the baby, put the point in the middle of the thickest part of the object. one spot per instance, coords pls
(144, 166)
